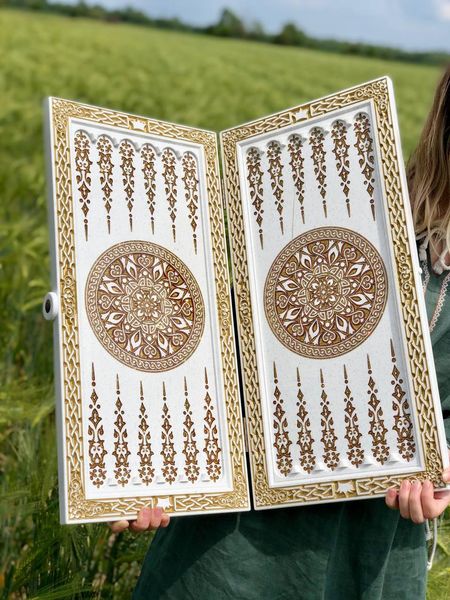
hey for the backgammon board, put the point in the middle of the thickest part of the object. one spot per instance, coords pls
(334, 353)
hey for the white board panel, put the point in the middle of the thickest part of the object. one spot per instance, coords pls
(339, 372)
(149, 402)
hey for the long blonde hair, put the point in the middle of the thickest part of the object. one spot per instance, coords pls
(428, 171)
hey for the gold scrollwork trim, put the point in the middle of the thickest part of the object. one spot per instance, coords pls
(376, 91)
(78, 506)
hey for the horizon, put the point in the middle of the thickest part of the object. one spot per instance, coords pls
(412, 25)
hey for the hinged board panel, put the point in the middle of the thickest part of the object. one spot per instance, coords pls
(339, 380)
(148, 399)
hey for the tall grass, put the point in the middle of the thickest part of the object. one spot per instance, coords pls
(185, 78)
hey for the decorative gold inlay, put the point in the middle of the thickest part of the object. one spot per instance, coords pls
(122, 471)
(211, 448)
(255, 184)
(325, 292)
(304, 439)
(282, 442)
(105, 165)
(83, 166)
(168, 452)
(190, 450)
(191, 183)
(126, 151)
(170, 185)
(377, 430)
(340, 151)
(403, 426)
(145, 306)
(276, 177)
(295, 148)
(364, 146)
(317, 143)
(353, 435)
(146, 470)
(329, 438)
(96, 442)
(148, 156)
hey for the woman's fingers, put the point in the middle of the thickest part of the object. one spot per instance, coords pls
(418, 501)
(148, 518)
(446, 474)
(415, 503)
(165, 520)
(443, 500)
(403, 498)
(428, 501)
(119, 526)
(434, 503)
(392, 498)
(155, 518)
(142, 522)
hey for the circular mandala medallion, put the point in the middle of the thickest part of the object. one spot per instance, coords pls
(325, 292)
(145, 306)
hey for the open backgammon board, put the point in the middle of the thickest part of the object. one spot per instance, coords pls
(332, 352)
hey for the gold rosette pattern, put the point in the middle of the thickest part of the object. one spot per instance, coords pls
(325, 292)
(145, 306)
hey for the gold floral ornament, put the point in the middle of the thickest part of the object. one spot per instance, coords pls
(191, 183)
(211, 448)
(331, 456)
(364, 146)
(169, 161)
(317, 143)
(304, 439)
(282, 443)
(105, 165)
(96, 442)
(353, 435)
(83, 166)
(148, 155)
(295, 148)
(146, 470)
(340, 151)
(145, 306)
(255, 184)
(168, 452)
(325, 292)
(190, 450)
(126, 151)
(276, 177)
(122, 471)
(403, 426)
(378, 430)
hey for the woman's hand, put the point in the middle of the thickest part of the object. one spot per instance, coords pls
(147, 519)
(417, 501)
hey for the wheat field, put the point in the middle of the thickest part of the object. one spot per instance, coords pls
(191, 79)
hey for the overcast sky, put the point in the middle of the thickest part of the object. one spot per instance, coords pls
(410, 24)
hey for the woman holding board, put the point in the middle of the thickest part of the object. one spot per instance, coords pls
(372, 549)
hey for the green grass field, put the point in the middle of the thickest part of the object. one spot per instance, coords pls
(200, 81)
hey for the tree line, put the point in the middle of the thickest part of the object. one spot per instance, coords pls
(231, 25)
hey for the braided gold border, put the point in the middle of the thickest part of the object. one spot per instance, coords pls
(376, 91)
(78, 507)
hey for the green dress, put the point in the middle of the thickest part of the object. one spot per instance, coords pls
(345, 550)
